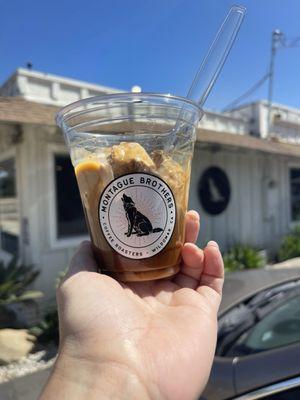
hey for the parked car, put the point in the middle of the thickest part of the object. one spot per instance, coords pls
(258, 349)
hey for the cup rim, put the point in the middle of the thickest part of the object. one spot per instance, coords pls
(62, 113)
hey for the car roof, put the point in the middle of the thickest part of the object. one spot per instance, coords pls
(242, 284)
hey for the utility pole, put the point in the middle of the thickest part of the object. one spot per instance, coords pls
(279, 41)
(277, 37)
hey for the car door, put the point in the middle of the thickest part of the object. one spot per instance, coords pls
(273, 346)
(220, 386)
(267, 367)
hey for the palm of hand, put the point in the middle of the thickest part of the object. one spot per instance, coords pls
(163, 332)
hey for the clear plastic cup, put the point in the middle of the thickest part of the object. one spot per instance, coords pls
(132, 156)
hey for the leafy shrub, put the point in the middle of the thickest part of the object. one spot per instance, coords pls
(14, 280)
(47, 330)
(60, 277)
(241, 257)
(290, 246)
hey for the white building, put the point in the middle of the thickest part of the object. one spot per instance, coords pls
(245, 181)
(263, 171)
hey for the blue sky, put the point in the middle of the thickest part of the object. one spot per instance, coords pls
(157, 44)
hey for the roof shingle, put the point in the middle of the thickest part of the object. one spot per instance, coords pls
(18, 110)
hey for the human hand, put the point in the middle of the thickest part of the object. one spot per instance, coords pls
(139, 340)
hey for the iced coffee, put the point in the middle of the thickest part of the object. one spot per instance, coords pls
(134, 179)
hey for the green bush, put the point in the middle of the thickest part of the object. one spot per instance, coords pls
(14, 280)
(241, 257)
(290, 246)
(47, 330)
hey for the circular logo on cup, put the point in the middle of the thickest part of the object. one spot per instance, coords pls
(137, 215)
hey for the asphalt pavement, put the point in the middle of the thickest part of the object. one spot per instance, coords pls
(25, 388)
(241, 284)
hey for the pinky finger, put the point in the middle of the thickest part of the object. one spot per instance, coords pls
(192, 226)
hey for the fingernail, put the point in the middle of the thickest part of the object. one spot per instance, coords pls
(194, 215)
(213, 243)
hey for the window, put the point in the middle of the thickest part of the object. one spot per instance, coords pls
(70, 216)
(279, 328)
(9, 242)
(9, 208)
(7, 178)
(295, 193)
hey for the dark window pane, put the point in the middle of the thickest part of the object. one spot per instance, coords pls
(291, 394)
(9, 208)
(9, 243)
(7, 178)
(295, 193)
(70, 217)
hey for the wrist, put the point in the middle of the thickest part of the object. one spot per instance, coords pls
(80, 378)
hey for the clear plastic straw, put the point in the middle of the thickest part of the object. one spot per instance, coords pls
(214, 60)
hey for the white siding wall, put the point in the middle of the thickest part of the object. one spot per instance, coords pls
(258, 211)
(37, 202)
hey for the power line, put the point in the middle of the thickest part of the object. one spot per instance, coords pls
(251, 90)
(287, 43)
(279, 41)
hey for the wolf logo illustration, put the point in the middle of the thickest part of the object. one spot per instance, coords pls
(138, 223)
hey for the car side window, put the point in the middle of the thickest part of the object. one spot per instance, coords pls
(279, 328)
